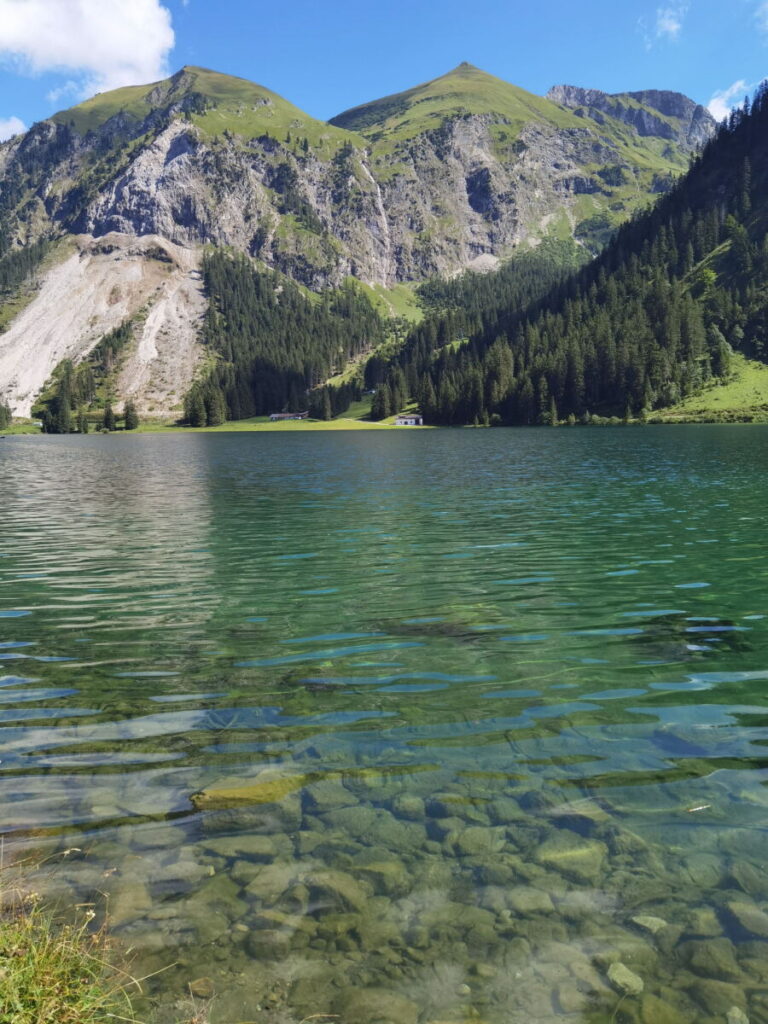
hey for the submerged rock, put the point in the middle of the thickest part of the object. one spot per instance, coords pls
(654, 1010)
(718, 996)
(375, 1006)
(270, 785)
(527, 900)
(624, 980)
(572, 855)
(202, 988)
(712, 959)
(647, 923)
(748, 918)
(736, 1016)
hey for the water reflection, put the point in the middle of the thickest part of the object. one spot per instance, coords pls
(458, 725)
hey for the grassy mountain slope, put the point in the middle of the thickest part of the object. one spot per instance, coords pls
(214, 102)
(464, 90)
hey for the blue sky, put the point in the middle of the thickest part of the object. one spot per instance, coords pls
(325, 57)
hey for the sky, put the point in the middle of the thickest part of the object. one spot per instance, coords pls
(328, 55)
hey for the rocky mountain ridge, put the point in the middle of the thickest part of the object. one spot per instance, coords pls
(651, 112)
(458, 172)
(479, 168)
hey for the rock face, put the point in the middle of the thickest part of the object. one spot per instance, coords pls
(204, 158)
(97, 285)
(651, 112)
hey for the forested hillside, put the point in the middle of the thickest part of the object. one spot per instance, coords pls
(271, 342)
(640, 327)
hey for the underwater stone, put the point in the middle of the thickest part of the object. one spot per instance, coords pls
(654, 1010)
(703, 922)
(624, 980)
(572, 855)
(648, 923)
(569, 999)
(201, 988)
(749, 918)
(265, 944)
(527, 900)
(338, 888)
(439, 828)
(477, 841)
(705, 870)
(736, 1016)
(718, 996)
(386, 876)
(375, 1006)
(271, 882)
(713, 958)
(582, 816)
(357, 821)
(271, 785)
(752, 880)
(505, 810)
(129, 904)
(409, 807)
(260, 848)
(327, 795)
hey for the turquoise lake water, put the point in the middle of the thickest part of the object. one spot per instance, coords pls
(426, 727)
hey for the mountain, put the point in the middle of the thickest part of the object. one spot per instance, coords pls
(657, 321)
(460, 172)
(652, 112)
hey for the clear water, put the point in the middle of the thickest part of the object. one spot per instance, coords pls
(400, 728)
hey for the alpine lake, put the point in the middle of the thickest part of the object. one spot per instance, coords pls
(405, 728)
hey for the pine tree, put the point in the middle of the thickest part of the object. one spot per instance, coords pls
(108, 422)
(82, 423)
(130, 416)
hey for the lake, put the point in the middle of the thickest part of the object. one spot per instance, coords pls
(405, 727)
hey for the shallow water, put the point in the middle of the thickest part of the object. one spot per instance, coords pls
(418, 727)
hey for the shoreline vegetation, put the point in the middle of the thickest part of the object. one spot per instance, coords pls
(742, 397)
(59, 965)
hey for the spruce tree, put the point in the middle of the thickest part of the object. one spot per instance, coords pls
(130, 416)
(108, 422)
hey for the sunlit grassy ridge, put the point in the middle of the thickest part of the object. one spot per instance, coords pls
(742, 396)
(466, 89)
(226, 103)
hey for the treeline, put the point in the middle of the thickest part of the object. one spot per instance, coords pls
(273, 343)
(78, 397)
(646, 323)
(456, 310)
(19, 264)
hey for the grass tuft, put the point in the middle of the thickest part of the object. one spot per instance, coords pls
(55, 972)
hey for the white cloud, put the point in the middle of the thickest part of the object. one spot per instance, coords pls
(722, 103)
(70, 88)
(10, 126)
(669, 21)
(105, 43)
